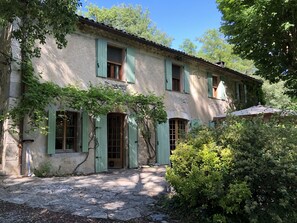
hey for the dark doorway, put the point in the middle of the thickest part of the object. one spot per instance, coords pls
(115, 140)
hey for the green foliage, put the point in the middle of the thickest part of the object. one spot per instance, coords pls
(43, 170)
(244, 170)
(96, 100)
(274, 94)
(215, 48)
(132, 19)
(264, 31)
(36, 19)
(188, 47)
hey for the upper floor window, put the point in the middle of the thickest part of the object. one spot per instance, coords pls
(66, 131)
(114, 63)
(215, 85)
(241, 92)
(176, 77)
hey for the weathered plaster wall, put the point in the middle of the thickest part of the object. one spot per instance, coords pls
(76, 65)
(10, 90)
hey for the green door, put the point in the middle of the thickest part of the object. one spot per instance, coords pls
(101, 144)
(133, 143)
(163, 147)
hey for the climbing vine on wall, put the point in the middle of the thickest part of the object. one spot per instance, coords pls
(96, 100)
(34, 21)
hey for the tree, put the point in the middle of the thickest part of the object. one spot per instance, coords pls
(264, 31)
(132, 19)
(188, 47)
(215, 48)
(34, 20)
(274, 95)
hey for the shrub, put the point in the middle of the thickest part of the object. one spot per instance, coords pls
(241, 171)
(43, 170)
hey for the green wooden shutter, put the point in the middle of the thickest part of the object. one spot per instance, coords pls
(133, 143)
(195, 123)
(209, 85)
(186, 79)
(211, 124)
(101, 58)
(168, 74)
(222, 88)
(51, 137)
(245, 93)
(237, 91)
(163, 146)
(85, 132)
(130, 68)
(101, 145)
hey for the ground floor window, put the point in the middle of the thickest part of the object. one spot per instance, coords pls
(177, 130)
(66, 131)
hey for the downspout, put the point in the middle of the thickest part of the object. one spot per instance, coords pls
(27, 142)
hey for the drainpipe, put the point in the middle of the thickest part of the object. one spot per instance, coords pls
(26, 143)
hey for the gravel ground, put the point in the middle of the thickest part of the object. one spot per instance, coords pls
(19, 213)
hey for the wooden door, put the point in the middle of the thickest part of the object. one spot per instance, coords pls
(115, 140)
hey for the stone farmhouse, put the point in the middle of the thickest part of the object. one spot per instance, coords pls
(194, 92)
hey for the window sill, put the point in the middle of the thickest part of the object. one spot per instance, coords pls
(112, 79)
(218, 99)
(179, 92)
(60, 151)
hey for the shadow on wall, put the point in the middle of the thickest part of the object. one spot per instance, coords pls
(74, 64)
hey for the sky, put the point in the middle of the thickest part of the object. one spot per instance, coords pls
(180, 19)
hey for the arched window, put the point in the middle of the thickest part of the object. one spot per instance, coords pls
(177, 130)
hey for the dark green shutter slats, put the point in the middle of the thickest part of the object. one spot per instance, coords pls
(222, 88)
(168, 74)
(211, 124)
(195, 123)
(51, 137)
(85, 132)
(245, 93)
(237, 91)
(209, 85)
(163, 147)
(101, 146)
(133, 142)
(186, 79)
(130, 72)
(101, 58)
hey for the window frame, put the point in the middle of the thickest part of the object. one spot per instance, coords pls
(175, 133)
(111, 65)
(76, 131)
(215, 85)
(175, 79)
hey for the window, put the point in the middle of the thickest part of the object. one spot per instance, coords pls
(215, 85)
(177, 130)
(177, 77)
(176, 74)
(241, 92)
(66, 131)
(114, 63)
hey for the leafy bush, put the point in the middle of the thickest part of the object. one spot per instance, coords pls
(43, 170)
(244, 170)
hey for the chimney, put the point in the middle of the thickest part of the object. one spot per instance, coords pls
(220, 63)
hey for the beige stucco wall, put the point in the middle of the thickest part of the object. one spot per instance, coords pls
(10, 90)
(76, 65)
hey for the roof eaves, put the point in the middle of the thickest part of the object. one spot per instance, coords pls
(123, 33)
